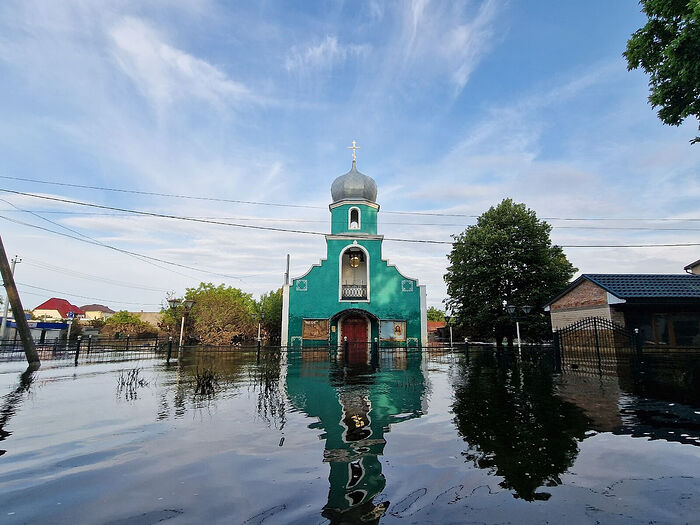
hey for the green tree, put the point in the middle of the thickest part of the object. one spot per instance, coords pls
(434, 314)
(270, 305)
(126, 323)
(507, 257)
(221, 315)
(667, 48)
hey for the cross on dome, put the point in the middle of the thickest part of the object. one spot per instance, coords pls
(353, 148)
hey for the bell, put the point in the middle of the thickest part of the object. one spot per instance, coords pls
(355, 260)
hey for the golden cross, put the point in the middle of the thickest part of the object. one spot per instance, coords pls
(353, 148)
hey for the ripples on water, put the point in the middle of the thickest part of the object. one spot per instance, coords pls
(405, 438)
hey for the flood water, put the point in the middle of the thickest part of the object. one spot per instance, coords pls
(409, 437)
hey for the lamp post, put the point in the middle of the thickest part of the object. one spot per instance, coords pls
(512, 310)
(261, 318)
(447, 322)
(188, 304)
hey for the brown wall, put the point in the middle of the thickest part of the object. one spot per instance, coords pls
(585, 300)
(585, 294)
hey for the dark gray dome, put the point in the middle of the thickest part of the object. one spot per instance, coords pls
(354, 185)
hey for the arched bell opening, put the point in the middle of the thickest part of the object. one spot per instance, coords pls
(354, 274)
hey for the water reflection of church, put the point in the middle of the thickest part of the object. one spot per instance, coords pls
(355, 407)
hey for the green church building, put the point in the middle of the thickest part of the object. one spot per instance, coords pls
(354, 293)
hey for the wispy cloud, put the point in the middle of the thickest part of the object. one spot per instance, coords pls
(323, 55)
(165, 73)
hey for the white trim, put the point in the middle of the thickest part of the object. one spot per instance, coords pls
(352, 236)
(359, 218)
(284, 339)
(353, 201)
(423, 316)
(613, 299)
(320, 263)
(340, 273)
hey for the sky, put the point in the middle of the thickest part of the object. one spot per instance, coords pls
(455, 106)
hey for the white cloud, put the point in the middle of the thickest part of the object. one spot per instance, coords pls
(165, 74)
(323, 55)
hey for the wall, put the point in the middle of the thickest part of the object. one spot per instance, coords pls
(152, 318)
(391, 295)
(585, 300)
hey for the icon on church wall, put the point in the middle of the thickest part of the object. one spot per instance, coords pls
(392, 331)
(315, 330)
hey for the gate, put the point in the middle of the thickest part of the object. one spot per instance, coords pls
(595, 344)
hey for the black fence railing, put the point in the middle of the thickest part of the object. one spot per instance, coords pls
(354, 291)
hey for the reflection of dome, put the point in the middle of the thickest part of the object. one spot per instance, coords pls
(354, 185)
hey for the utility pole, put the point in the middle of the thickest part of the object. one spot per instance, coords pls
(17, 310)
(3, 325)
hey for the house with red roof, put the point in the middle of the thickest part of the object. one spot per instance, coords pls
(56, 308)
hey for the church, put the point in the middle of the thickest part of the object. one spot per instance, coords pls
(354, 293)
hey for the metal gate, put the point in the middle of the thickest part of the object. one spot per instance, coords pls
(595, 344)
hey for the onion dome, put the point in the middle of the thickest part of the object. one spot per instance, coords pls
(354, 186)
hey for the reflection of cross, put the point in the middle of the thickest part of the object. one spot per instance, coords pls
(353, 148)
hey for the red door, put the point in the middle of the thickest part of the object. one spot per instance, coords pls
(355, 329)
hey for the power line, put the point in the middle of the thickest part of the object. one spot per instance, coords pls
(70, 294)
(306, 232)
(385, 223)
(120, 250)
(90, 277)
(287, 205)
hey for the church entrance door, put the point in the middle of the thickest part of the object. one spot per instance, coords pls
(355, 329)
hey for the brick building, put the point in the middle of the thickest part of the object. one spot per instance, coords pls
(665, 308)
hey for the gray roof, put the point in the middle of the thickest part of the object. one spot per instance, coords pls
(635, 286)
(642, 287)
(354, 185)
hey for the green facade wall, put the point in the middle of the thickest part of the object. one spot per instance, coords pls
(392, 296)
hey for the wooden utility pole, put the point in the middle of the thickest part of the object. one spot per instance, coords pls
(17, 310)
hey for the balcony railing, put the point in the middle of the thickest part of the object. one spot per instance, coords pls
(354, 291)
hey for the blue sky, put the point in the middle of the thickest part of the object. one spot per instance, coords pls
(455, 105)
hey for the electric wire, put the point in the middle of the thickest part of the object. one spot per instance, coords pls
(288, 205)
(307, 232)
(385, 223)
(71, 294)
(120, 249)
(89, 277)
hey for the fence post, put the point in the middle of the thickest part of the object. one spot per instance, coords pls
(257, 357)
(557, 351)
(127, 343)
(77, 349)
(347, 349)
(638, 344)
(466, 346)
(170, 348)
(597, 344)
(155, 345)
(89, 343)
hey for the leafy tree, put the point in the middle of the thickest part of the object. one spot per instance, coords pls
(435, 314)
(667, 48)
(126, 323)
(270, 304)
(515, 424)
(507, 257)
(221, 315)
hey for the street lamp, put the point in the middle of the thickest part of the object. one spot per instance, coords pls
(261, 318)
(447, 322)
(188, 304)
(511, 309)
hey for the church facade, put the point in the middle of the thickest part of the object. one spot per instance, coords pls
(354, 293)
